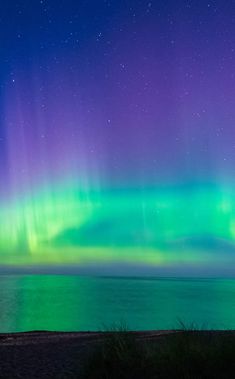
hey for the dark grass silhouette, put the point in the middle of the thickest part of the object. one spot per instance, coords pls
(187, 354)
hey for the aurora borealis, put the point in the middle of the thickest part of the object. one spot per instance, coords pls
(117, 139)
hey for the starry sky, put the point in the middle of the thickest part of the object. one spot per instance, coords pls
(117, 135)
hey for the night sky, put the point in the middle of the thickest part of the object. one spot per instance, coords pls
(117, 135)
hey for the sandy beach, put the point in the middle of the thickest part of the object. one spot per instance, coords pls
(43, 354)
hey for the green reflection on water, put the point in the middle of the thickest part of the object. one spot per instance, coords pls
(85, 303)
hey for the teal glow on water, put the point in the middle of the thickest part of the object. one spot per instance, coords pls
(90, 303)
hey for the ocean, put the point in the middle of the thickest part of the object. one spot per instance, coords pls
(81, 303)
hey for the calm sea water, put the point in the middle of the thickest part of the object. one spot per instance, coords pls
(92, 303)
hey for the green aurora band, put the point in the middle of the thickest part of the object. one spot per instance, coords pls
(174, 226)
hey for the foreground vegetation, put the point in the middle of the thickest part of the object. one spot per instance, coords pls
(187, 354)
